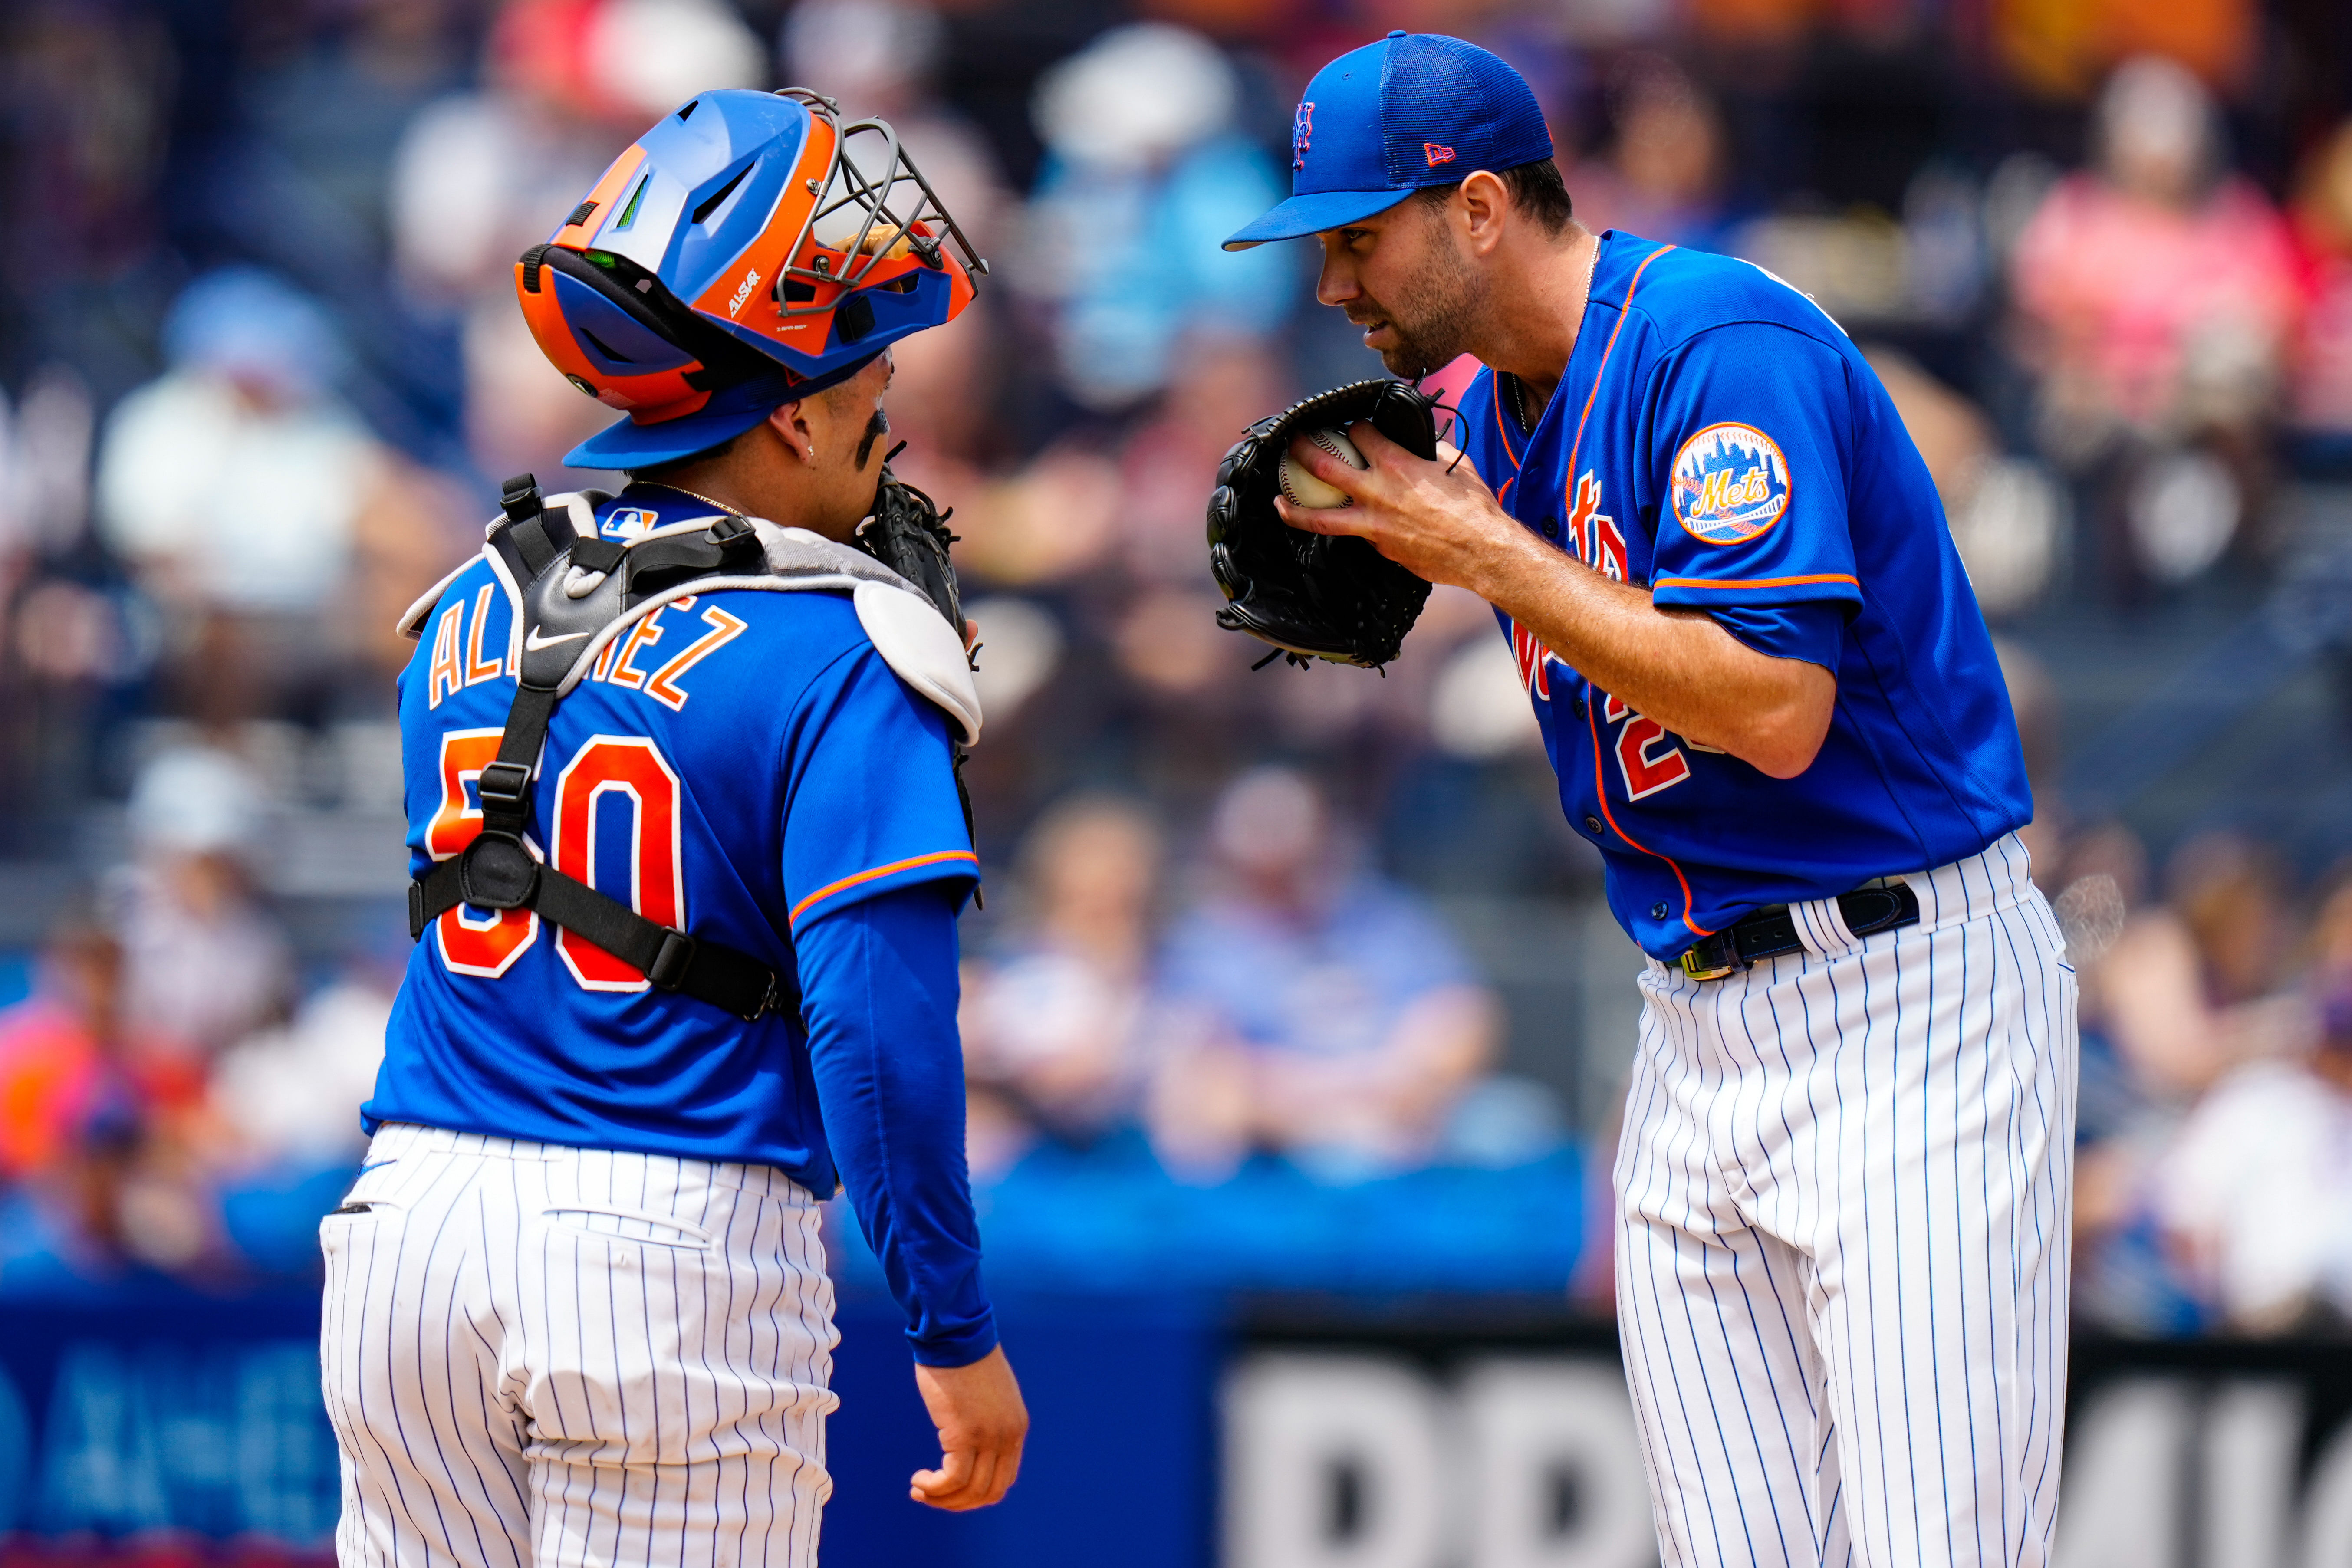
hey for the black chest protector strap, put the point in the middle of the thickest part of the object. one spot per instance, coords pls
(496, 871)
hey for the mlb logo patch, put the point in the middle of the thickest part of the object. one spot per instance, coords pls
(1436, 153)
(628, 523)
(1730, 484)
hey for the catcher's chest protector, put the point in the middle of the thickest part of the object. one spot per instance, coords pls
(574, 592)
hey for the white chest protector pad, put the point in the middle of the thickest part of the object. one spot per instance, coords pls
(576, 581)
(574, 591)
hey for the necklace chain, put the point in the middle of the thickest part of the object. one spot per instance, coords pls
(697, 495)
(1584, 301)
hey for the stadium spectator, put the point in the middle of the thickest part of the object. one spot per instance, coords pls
(100, 1130)
(1144, 176)
(87, 137)
(290, 1095)
(1318, 1011)
(2256, 1191)
(232, 484)
(2194, 988)
(1054, 1026)
(57, 1048)
(1664, 172)
(2177, 998)
(2320, 402)
(2156, 290)
(203, 962)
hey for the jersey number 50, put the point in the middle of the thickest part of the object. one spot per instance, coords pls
(608, 772)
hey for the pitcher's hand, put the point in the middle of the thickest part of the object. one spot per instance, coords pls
(982, 1424)
(1437, 520)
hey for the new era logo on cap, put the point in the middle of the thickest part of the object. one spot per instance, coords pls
(1381, 122)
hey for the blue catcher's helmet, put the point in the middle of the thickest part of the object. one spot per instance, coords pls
(747, 251)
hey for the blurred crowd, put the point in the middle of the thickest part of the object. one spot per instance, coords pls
(2214, 1153)
(261, 371)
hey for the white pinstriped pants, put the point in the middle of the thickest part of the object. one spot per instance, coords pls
(1844, 1188)
(540, 1356)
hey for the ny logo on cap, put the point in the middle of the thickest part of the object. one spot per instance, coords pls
(1301, 125)
(1436, 153)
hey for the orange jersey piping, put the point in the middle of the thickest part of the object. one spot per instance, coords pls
(1494, 395)
(1593, 724)
(1754, 581)
(1601, 792)
(938, 857)
(1568, 477)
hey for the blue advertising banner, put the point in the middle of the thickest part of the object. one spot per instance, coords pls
(173, 1416)
(196, 1422)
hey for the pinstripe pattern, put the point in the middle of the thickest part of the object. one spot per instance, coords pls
(1843, 1185)
(535, 1354)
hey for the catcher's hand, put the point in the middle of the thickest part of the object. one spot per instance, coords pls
(1310, 595)
(909, 533)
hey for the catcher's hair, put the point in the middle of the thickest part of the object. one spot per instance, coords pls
(1536, 190)
(653, 475)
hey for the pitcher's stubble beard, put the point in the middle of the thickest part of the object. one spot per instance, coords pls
(1433, 315)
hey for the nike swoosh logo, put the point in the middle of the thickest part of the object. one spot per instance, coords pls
(534, 642)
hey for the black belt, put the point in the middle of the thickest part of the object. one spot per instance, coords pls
(1771, 931)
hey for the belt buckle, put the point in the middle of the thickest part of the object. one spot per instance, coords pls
(1698, 968)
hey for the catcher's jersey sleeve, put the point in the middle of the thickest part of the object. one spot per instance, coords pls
(880, 998)
(870, 799)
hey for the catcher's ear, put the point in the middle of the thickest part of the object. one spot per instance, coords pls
(790, 422)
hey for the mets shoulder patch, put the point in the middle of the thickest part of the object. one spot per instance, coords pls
(1730, 484)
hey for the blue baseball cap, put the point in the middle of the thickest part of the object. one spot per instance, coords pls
(1382, 122)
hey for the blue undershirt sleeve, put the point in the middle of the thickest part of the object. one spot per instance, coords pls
(880, 988)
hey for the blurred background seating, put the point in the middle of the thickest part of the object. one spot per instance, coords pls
(1262, 951)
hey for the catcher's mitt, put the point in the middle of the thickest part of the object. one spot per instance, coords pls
(1313, 594)
(909, 533)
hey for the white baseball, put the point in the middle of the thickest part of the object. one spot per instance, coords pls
(1303, 488)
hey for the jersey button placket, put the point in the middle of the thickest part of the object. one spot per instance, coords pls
(1658, 911)
(1592, 825)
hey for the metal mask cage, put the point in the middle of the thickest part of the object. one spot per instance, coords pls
(858, 191)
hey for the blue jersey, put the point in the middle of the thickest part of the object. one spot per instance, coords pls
(1719, 440)
(743, 764)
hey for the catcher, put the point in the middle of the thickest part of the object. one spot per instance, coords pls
(687, 848)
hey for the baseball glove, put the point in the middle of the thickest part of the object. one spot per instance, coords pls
(909, 533)
(1316, 596)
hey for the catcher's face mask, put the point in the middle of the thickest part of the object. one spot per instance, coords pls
(748, 238)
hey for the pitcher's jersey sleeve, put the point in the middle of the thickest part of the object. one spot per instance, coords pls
(870, 797)
(1748, 445)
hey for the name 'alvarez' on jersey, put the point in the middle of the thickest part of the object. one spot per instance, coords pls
(738, 765)
(1719, 439)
